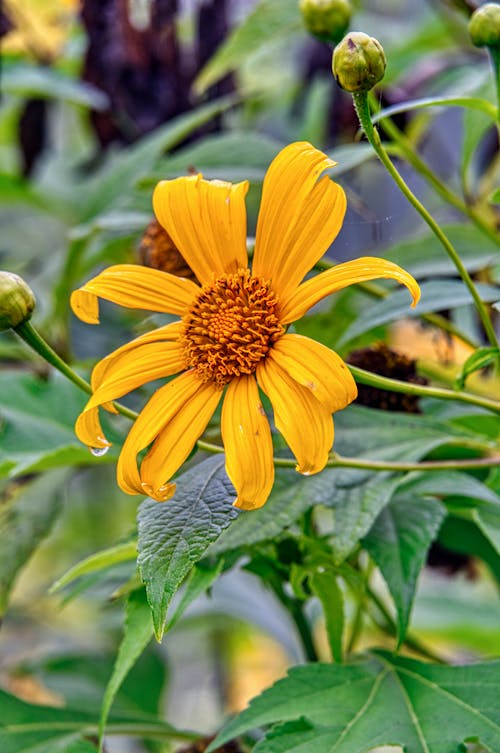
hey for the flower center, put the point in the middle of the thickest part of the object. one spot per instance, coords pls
(231, 327)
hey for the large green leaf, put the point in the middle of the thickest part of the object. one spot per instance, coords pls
(36, 424)
(398, 542)
(173, 536)
(436, 296)
(25, 519)
(379, 700)
(268, 22)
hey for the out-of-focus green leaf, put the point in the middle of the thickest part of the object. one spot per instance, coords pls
(398, 542)
(29, 81)
(481, 358)
(462, 535)
(495, 196)
(475, 126)
(36, 424)
(423, 256)
(25, 519)
(473, 103)
(116, 179)
(449, 484)
(323, 582)
(350, 156)
(175, 535)
(26, 728)
(436, 296)
(269, 22)
(380, 700)
(98, 561)
(138, 631)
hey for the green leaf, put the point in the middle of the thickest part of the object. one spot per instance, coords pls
(436, 296)
(29, 81)
(398, 543)
(37, 417)
(138, 631)
(473, 103)
(495, 196)
(481, 358)
(117, 178)
(323, 582)
(175, 535)
(268, 22)
(27, 728)
(198, 581)
(449, 484)
(462, 535)
(25, 520)
(379, 700)
(423, 255)
(99, 561)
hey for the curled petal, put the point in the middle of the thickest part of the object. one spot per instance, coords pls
(247, 441)
(341, 276)
(134, 287)
(88, 429)
(207, 222)
(299, 218)
(305, 423)
(162, 407)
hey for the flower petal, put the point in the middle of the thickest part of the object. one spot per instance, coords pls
(88, 429)
(174, 443)
(247, 441)
(134, 287)
(207, 222)
(341, 276)
(161, 408)
(119, 358)
(317, 368)
(305, 423)
(299, 218)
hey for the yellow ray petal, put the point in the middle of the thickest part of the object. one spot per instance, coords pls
(304, 422)
(207, 222)
(154, 417)
(134, 287)
(349, 273)
(176, 440)
(88, 429)
(247, 441)
(299, 216)
(317, 368)
(170, 332)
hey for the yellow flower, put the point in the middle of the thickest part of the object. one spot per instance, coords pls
(231, 339)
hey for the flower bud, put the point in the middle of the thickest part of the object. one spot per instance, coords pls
(16, 300)
(358, 62)
(484, 26)
(326, 19)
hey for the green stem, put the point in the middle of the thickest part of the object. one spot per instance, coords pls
(494, 53)
(363, 112)
(396, 385)
(389, 626)
(338, 461)
(33, 338)
(406, 150)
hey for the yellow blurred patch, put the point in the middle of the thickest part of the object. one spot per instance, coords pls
(41, 27)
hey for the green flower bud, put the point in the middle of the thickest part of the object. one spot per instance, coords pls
(326, 19)
(358, 62)
(16, 300)
(484, 26)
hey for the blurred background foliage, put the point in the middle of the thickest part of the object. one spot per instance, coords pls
(99, 100)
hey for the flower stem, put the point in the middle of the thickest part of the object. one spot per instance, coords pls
(363, 111)
(396, 385)
(339, 461)
(34, 339)
(406, 150)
